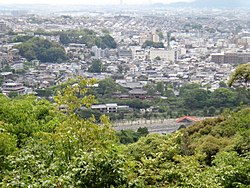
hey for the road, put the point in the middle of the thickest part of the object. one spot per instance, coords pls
(154, 126)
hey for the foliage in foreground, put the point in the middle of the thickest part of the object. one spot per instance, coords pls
(41, 146)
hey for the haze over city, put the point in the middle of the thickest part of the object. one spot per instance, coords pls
(95, 2)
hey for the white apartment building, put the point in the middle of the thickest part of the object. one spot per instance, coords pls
(13, 87)
(164, 54)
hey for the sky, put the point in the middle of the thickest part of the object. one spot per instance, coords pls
(89, 2)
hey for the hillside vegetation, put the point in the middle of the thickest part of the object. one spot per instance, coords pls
(83, 36)
(43, 50)
(42, 146)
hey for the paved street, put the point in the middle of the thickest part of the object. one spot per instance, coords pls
(154, 126)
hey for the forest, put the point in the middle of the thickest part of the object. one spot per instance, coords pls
(88, 37)
(33, 47)
(47, 144)
(42, 50)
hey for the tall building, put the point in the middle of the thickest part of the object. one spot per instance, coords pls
(231, 58)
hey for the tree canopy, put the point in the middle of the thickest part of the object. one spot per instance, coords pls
(149, 43)
(43, 50)
(96, 66)
(87, 37)
(241, 75)
(50, 145)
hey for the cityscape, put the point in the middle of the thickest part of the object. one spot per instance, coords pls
(125, 94)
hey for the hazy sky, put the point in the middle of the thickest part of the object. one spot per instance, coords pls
(96, 2)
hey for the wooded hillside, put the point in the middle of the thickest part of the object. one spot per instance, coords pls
(42, 145)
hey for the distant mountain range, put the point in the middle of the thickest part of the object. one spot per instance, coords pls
(214, 4)
(195, 4)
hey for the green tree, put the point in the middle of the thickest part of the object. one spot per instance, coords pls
(47, 92)
(43, 50)
(107, 41)
(1, 80)
(143, 131)
(241, 75)
(76, 153)
(21, 38)
(223, 97)
(64, 39)
(211, 111)
(8, 145)
(195, 98)
(152, 44)
(158, 58)
(54, 54)
(13, 94)
(150, 88)
(205, 111)
(169, 93)
(160, 87)
(88, 37)
(232, 170)
(127, 136)
(96, 66)
(107, 87)
(41, 146)
(243, 95)
(223, 84)
(188, 88)
(25, 115)
(29, 55)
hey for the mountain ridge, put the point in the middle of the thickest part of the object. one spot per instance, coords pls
(213, 4)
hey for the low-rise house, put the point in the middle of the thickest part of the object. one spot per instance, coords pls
(108, 108)
(138, 93)
(7, 75)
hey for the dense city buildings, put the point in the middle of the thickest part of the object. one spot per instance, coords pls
(175, 46)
